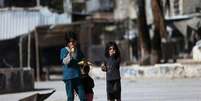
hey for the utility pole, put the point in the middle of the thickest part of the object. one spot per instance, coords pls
(160, 33)
(37, 55)
(38, 3)
(144, 37)
(159, 19)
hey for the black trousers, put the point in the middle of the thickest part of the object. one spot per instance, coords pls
(113, 89)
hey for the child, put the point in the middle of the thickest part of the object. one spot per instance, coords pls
(87, 81)
(111, 67)
(70, 55)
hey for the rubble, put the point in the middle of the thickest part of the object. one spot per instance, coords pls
(158, 71)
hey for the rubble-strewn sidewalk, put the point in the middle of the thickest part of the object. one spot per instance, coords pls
(176, 70)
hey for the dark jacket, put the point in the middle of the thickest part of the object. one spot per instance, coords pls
(113, 66)
(72, 69)
(88, 83)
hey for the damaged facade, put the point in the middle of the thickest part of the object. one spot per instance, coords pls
(118, 24)
(16, 34)
(181, 7)
(182, 20)
(95, 21)
(187, 12)
(95, 26)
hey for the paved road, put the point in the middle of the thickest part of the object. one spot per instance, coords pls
(132, 90)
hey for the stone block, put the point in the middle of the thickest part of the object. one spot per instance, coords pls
(16, 80)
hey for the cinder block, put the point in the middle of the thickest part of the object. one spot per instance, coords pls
(16, 80)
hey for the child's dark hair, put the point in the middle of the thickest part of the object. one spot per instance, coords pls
(70, 35)
(112, 44)
(85, 68)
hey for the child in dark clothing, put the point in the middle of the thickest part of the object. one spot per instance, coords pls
(111, 66)
(87, 81)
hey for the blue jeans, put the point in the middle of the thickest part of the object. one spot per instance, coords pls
(75, 85)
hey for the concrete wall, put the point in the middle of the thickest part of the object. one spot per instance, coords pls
(158, 71)
(16, 80)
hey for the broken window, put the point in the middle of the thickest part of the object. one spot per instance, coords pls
(176, 7)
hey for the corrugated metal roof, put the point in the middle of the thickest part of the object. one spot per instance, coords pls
(18, 22)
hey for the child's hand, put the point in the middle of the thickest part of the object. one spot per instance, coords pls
(102, 64)
(75, 93)
(72, 50)
(103, 67)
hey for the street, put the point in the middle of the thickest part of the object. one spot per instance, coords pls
(132, 90)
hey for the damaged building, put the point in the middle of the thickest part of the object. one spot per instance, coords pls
(182, 19)
(31, 33)
(185, 16)
(18, 53)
